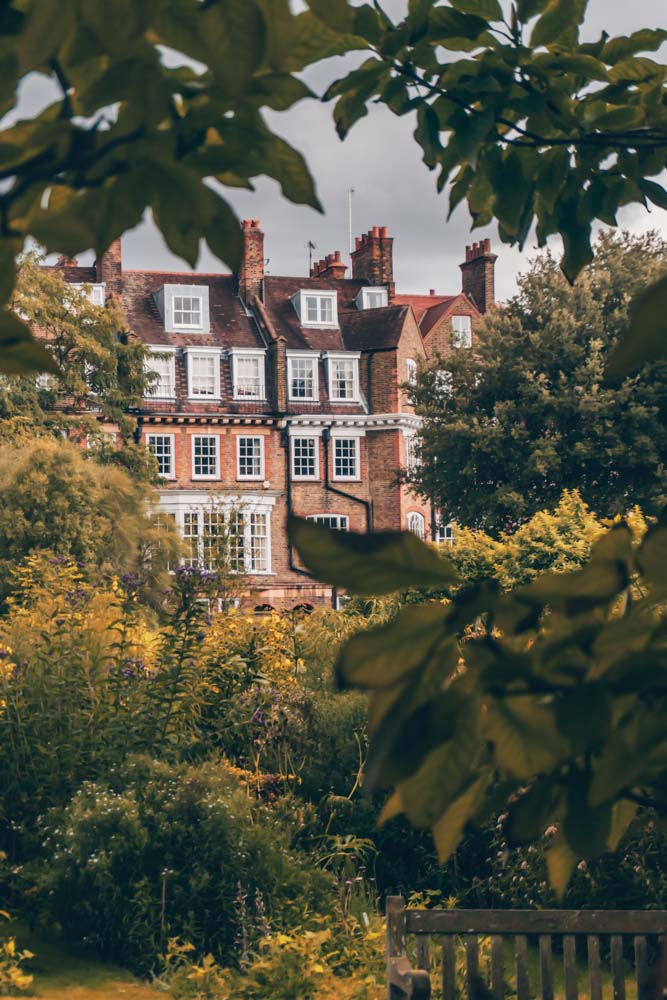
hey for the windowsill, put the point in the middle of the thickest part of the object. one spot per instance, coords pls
(319, 325)
(206, 479)
(303, 399)
(249, 399)
(356, 402)
(346, 479)
(160, 399)
(181, 328)
(250, 479)
(204, 399)
(306, 479)
(167, 479)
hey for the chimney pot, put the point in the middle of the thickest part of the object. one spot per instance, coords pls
(384, 232)
(337, 255)
(251, 273)
(376, 231)
(431, 291)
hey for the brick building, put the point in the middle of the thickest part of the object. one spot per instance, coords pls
(286, 394)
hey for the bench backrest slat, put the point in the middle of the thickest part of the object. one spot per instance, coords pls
(536, 921)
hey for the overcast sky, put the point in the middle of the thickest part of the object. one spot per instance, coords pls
(392, 187)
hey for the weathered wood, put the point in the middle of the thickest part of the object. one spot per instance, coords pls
(448, 969)
(536, 922)
(570, 967)
(521, 955)
(395, 914)
(423, 953)
(546, 967)
(617, 967)
(406, 982)
(472, 966)
(642, 970)
(594, 967)
(497, 968)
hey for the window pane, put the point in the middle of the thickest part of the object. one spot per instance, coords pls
(304, 458)
(249, 380)
(191, 537)
(342, 382)
(250, 458)
(237, 542)
(312, 311)
(187, 310)
(259, 540)
(203, 378)
(416, 525)
(164, 386)
(205, 455)
(161, 446)
(302, 378)
(213, 538)
(345, 458)
(339, 522)
(411, 368)
(326, 310)
(462, 327)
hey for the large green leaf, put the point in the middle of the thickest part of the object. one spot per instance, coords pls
(448, 830)
(561, 862)
(488, 9)
(559, 17)
(369, 564)
(524, 735)
(20, 353)
(337, 14)
(646, 337)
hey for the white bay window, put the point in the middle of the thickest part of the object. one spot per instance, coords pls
(343, 370)
(203, 374)
(248, 375)
(161, 364)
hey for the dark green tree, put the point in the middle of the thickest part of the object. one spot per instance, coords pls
(532, 412)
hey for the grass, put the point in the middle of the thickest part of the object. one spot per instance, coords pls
(62, 974)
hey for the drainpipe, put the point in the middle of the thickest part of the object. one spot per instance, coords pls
(326, 436)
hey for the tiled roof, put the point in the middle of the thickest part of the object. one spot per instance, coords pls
(374, 329)
(420, 303)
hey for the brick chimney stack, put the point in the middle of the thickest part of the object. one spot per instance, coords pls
(109, 268)
(478, 275)
(251, 274)
(373, 258)
(331, 267)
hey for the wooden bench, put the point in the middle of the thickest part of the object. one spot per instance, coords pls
(646, 927)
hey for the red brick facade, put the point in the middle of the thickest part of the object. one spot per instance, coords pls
(286, 395)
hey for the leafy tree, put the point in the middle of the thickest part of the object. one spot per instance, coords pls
(533, 413)
(531, 124)
(54, 498)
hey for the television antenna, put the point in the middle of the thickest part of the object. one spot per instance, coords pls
(311, 246)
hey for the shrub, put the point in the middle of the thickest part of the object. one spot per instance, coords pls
(163, 851)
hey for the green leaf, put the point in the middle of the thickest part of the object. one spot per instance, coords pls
(534, 811)
(525, 739)
(448, 830)
(646, 338)
(559, 17)
(381, 657)
(526, 9)
(336, 14)
(583, 717)
(636, 69)
(369, 564)
(20, 353)
(223, 233)
(622, 814)
(561, 862)
(488, 9)
(645, 40)
(652, 558)
(586, 828)
(313, 40)
(576, 243)
(655, 192)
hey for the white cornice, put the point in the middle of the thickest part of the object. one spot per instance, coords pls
(367, 421)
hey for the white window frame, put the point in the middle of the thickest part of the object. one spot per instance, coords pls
(411, 371)
(187, 295)
(300, 302)
(94, 291)
(416, 523)
(258, 476)
(179, 503)
(363, 299)
(203, 352)
(462, 333)
(445, 533)
(356, 477)
(210, 476)
(170, 358)
(412, 456)
(240, 354)
(315, 439)
(324, 518)
(335, 357)
(172, 451)
(313, 359)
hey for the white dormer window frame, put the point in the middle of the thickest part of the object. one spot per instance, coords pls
(303, 360)
(372, 297)
(241, 382)
(190, 305)
(316, 307)
(94, 291)
(184, 308)
(337, 360)
(165, 388)
(411, 371)
(192, 354)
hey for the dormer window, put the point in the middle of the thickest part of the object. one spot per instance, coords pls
(343, 370)
(162, 363)
(316, 308)
(184, 308)
(372, 298)
(302, 377)
(248, 374)
(462, 331)
(187, 312)
(204, 373)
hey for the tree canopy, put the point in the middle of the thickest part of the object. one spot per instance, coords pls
(533, 412)
(161, 106)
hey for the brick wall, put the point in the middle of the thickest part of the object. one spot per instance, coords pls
(478, 274)
(439, 340)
